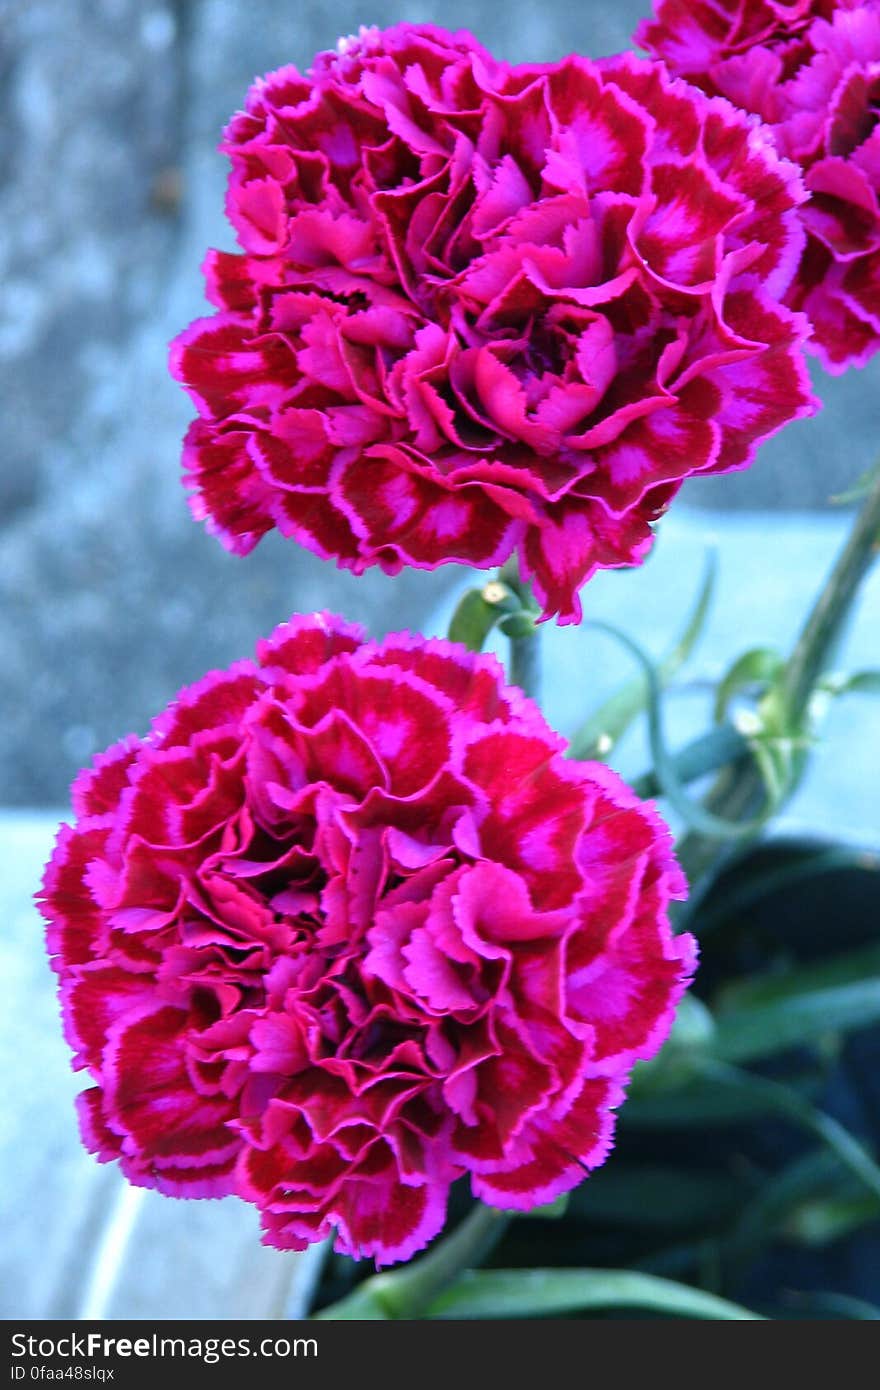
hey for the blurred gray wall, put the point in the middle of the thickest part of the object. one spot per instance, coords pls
(110, 192)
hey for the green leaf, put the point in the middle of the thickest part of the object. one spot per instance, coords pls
(514, 1293)
(693, 630)
(859, 683)
(551, 1211)
(864, 683)
(777, 1198)
(744, 1034)
(835, 1305)
(479, 610)
(758, 667)
(692, 1032)
(851, 967)
(778, 866)
(787, 1102)
(354, 1309)
(516, 625)
(509, 575)
(405, 1292)
(472, 621)
(655, 1196)
(721, 747)
(695, 816)
(860, 488)
(820, 1223)
(606, 726)
(698, 1105)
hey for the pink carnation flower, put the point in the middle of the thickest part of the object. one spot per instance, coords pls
(346, 926)
(811, 70)
(484, 309)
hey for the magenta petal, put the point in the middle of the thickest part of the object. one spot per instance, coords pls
(461, 289)
(349, 926)
(810, 70)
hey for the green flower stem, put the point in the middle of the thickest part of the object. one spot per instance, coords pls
(739, 790)
(716, 749)
(822, 630)
(525, 663)
(406, 1292)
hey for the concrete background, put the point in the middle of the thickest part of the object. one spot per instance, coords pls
(111, 597)
(76, 1240)
(110, 192)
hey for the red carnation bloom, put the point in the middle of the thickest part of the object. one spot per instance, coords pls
(692, 36)
(811, 70)
(347, 926)
(484, 309)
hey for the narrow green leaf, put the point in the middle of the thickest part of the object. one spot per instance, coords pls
(722, 746)
(514, 1293)
(551, 1211)
(745, 885)
(657, 1196)
(606, 726)
(354, 1308)
(859, 683)
(695, 816)
(696, 622)
(757, 667)
(852, 967)
(405, 1292)
(698, 1105)
(835, 1305)
(679, 1261)
(860, 488)
(864, 683)
(692, 1032)
(744, 1034)
(786, 1101)
(820, 1223)
(777, 1198)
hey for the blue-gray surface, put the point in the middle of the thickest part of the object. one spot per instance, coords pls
(76, 1241)
(770, 568)
(111, 598)
(110, 191)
